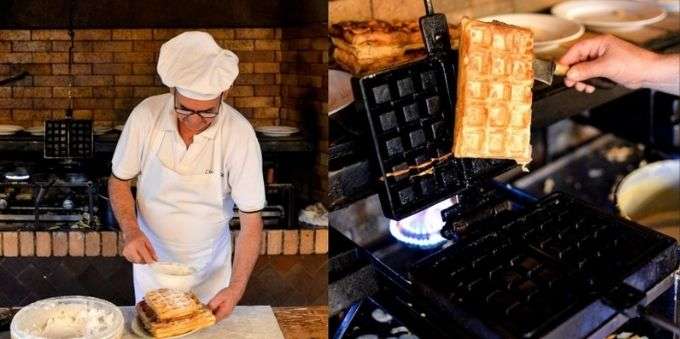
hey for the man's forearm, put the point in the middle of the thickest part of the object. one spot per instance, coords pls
(123, 205)
(247, 250)
(664, 74)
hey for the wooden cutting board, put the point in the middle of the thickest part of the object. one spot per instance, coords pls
(246, 322)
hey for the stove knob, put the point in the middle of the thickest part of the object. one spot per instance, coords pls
(3, 204)
(67, 204)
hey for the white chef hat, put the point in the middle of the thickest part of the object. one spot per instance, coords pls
(197, 66)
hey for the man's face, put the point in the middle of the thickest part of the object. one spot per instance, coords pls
(196, 115)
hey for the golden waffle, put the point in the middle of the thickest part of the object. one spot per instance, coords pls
(201, 318)
(168, 303)
(369, 46)
(495, 75)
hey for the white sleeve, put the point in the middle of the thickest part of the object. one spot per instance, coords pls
(244, 171)
(127, 158)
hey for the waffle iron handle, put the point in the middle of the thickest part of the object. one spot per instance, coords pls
(435, 30)
(625, 299)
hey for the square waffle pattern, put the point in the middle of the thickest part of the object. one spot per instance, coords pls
(165, 313)
(168, 303)
(529, 271)
(409, 110)
(495, 76)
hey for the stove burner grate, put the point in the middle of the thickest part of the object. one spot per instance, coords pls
(422, 229)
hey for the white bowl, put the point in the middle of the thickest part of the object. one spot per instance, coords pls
(650, 194)
(68, 317)
(174, 275)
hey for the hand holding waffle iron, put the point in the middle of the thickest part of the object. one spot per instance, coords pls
(622, 62)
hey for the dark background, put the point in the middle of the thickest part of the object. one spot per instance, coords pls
(54, 14)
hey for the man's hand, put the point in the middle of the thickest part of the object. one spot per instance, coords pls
(224, 302)
(138, 249)
(609, 57)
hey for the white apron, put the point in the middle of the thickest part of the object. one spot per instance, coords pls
(186, 219)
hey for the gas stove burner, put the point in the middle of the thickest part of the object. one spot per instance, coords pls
(19, 174)
(422, 229)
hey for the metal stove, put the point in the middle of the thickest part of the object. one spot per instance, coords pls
(34, 193)
(456, 248)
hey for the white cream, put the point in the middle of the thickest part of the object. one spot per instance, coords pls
(71, 321)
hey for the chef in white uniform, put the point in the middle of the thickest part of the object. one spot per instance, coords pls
(194, 157)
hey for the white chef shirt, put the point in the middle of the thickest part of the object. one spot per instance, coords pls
(231, 135)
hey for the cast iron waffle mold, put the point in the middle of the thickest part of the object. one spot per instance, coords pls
(410, 117)
(541, 266)
(68, 138)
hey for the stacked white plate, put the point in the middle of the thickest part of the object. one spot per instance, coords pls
(9, 129)
(610, 15)
(549, 31)
(277, 131)
(119, 127)
(36, 130)
(99, 130)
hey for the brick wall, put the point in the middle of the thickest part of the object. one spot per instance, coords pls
(116, 69)
(110, 243)
(282, 77)
(340, 10)
(304, 94)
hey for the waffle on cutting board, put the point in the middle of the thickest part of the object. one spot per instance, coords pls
(166, 313)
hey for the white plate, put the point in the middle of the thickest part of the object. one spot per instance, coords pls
(669, 5)
(277, 131)
(9, 129)
(610, 15)
(36, 130)
(101, 130)
(139, 330)
(549, 31)
(119, 127)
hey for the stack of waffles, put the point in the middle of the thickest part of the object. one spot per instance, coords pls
(369, 46)
(495, 76)
(167, 312)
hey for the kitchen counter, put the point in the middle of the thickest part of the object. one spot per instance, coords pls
(294, 322)
(303, 322)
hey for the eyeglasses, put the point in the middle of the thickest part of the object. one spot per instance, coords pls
(209, 114)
